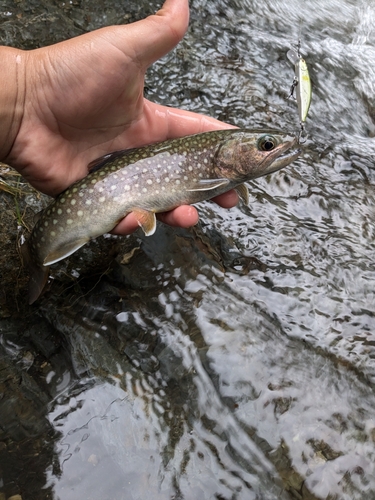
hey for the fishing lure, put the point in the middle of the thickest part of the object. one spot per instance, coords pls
(301, 85)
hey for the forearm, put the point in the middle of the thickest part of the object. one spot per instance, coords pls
(12, 95)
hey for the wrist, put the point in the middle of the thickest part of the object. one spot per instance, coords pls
(12, 97)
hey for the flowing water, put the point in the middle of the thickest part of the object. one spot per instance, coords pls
(235, 360)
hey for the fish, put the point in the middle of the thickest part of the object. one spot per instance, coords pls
(148, 180)
(301, 84)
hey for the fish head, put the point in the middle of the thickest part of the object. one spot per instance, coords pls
(250, 154)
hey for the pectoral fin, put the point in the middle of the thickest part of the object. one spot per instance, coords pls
(64, 251)
(243, 193)
(209, 184)
(146, 220)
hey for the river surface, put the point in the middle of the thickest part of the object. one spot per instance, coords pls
(234, 360)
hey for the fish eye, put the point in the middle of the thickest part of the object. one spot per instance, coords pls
(267, 143)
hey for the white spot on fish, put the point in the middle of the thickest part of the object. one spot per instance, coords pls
(101, 199)
(149, 181)
(59, 211)
(79, 213)
(113, 187)
(54, 221)
(166, 179)
(88, 202)
(73, 202)
(69, 221)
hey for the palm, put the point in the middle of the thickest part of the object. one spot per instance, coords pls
(84, 98)
(85, 111)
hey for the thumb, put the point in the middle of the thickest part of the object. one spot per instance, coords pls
(153, 37)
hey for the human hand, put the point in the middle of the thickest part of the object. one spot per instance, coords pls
(83, 98)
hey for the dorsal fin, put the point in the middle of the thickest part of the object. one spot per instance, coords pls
(97, 164)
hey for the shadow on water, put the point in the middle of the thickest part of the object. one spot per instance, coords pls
(234, 360)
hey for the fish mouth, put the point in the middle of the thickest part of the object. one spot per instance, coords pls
(284, 154)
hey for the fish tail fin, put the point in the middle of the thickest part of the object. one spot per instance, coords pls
(38, 275)
(37, 282)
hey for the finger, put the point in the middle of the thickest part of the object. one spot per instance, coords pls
(227, 200)
(126, 226)
(161, 123)
(183, 216)
(153, 37)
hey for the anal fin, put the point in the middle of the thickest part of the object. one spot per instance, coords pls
(146, 220)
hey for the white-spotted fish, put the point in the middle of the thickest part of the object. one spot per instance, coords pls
(149, 180)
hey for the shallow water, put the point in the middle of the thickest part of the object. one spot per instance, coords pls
(234, 360)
